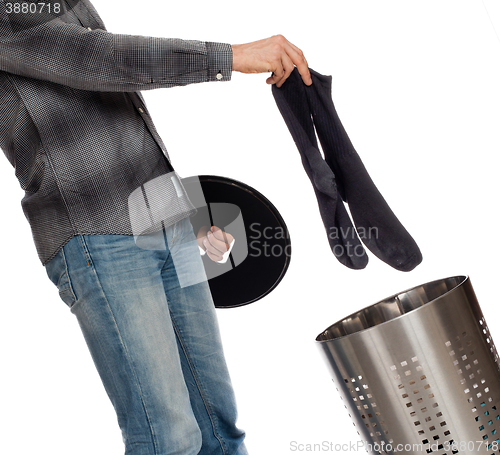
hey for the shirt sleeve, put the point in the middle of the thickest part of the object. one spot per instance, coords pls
(72, 55)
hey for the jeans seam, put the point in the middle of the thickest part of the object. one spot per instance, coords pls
(137, 382)
(198, 384)
(68, 276)
(85, 249)
(175, 233)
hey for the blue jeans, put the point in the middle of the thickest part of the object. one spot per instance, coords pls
(155, 343)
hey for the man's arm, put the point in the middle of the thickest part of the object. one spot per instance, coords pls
(72, 55)
(97, 60)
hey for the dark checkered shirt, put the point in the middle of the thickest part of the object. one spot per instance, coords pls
(74, 125)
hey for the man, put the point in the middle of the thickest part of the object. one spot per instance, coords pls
(79, 135)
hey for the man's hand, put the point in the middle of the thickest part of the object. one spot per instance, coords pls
(214, 241)
(275, 54)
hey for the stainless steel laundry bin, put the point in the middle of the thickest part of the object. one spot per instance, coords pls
(418, 372)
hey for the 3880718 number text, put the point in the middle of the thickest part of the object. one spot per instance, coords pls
(32, 7)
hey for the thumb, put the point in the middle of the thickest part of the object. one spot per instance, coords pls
(219, 234)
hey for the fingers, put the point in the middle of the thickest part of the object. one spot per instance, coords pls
(214, 248)
(215, 244)
(219, 234)
(202, 233)
(284, 71)
(214, 257)
(290, 56)
(299, 60)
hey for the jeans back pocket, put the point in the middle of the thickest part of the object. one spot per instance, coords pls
(57, 270)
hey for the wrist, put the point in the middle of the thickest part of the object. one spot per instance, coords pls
(235, 51)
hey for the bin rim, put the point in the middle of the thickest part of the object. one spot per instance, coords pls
(462, 280)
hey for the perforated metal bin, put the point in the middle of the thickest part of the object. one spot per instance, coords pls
(418, 372)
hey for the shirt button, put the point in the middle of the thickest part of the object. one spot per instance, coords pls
(219, 76)
(141, 110)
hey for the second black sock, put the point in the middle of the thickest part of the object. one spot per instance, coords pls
(377, 225)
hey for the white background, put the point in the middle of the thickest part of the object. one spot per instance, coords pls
(416, 85)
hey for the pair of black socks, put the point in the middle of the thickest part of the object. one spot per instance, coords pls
(341, 176)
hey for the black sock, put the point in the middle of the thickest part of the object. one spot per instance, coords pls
(343, 239)
(378, 227)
